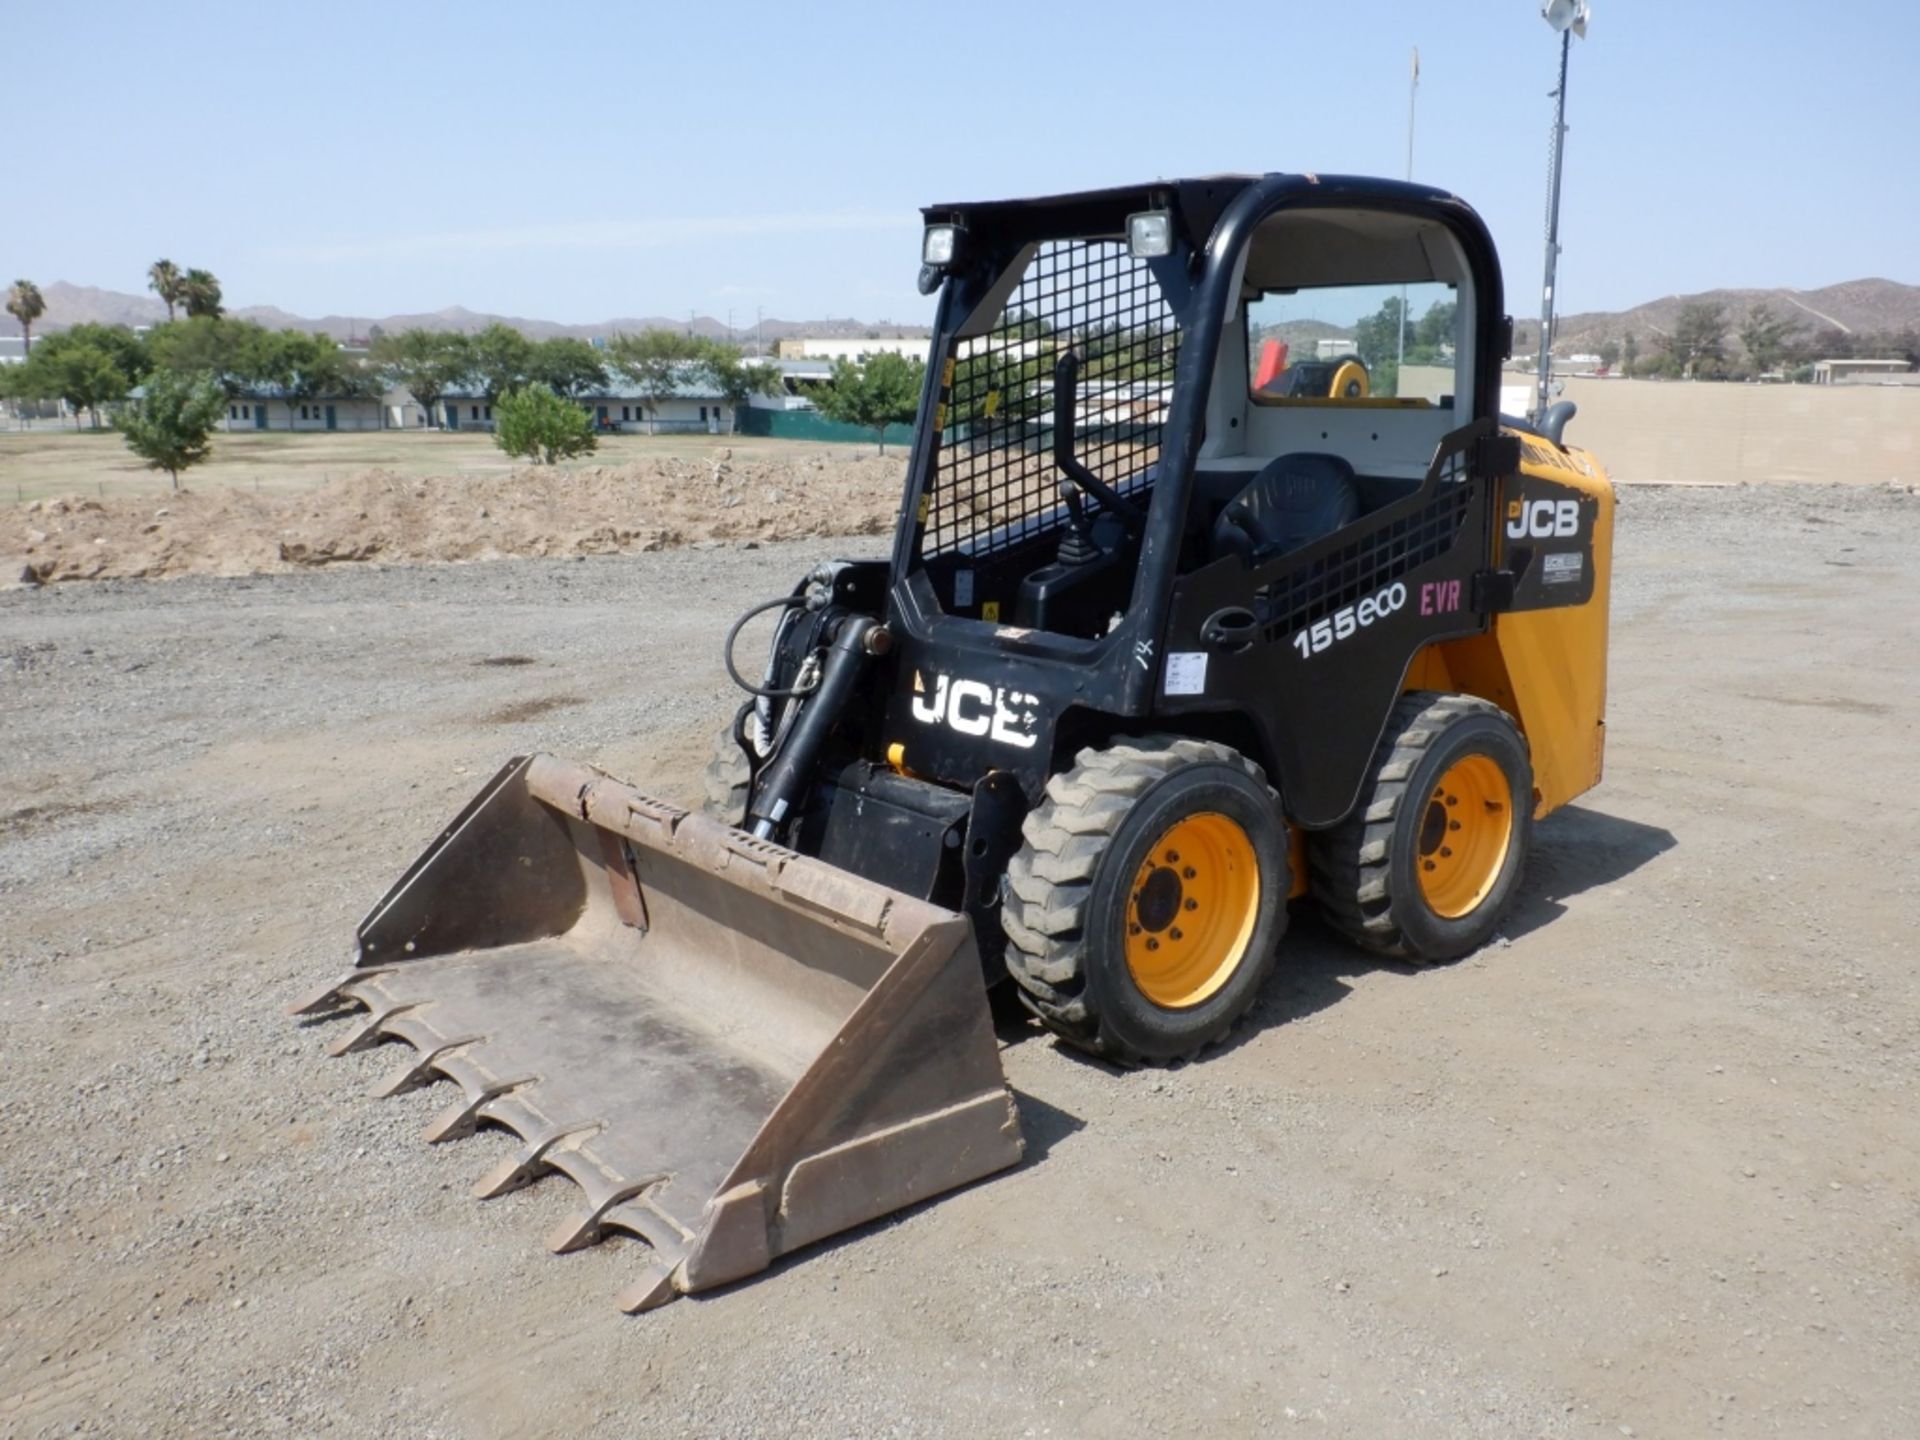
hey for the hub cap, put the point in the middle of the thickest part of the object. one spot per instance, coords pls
(1191, 910)
(1464, 835)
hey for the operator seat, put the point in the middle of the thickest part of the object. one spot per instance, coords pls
(1294, 501)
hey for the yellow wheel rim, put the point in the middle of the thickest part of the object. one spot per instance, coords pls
(1464, 835)
(1191, 910)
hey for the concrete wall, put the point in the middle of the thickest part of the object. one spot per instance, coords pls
(1826, 434)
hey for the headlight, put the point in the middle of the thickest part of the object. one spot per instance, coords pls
(940, 244)
(1150, 234)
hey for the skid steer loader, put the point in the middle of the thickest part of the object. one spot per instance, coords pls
(1158, 650)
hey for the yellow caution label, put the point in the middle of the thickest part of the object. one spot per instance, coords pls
(990, 610)
(926, 503)
(992, 407)
(946, 373)
(940, 416)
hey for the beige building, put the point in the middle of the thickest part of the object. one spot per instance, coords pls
(803, 348)
(1838, 372)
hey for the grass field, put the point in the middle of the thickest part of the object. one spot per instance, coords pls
(42, 462)
(1720, 434)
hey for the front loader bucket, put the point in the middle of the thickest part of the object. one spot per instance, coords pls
(734, 1050)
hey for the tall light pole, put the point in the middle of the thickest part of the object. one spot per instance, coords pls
(1400, 346)
(1569, 17)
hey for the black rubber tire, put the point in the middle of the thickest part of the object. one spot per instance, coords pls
(1362, 870)
(1065, 905)
(726, 779)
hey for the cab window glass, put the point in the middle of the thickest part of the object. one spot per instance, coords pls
(1339, 343)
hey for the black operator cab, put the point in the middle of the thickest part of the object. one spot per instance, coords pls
(1137, 398)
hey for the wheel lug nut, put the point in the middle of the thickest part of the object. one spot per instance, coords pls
(1193, 904)
(1134, 929)
(1453, 824)
(1189, 872)
(1152, 944)
(1175, 932)
(1173, 857)
(1427, 863)
(1446, 853)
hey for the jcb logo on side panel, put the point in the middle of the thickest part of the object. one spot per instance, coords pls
(974, 708)
(1543, 519)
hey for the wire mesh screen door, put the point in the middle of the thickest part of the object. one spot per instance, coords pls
(995, 485)
(1369, 556)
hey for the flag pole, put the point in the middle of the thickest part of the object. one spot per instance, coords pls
(1400, 337)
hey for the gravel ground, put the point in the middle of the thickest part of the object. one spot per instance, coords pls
(1645, 1166)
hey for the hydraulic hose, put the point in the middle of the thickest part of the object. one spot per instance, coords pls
(779, 787)
(765, 692)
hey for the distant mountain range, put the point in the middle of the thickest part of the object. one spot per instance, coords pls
(1866, 306)
(1854, 306)
(87, 304)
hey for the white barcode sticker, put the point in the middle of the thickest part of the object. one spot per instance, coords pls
(1186, 673)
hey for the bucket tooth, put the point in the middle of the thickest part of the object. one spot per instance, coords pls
(653, 1289)
(422, 1070)
(585, 1227)
(530, 1164)
(369, 1029)
(335, 993)
(459, 1119)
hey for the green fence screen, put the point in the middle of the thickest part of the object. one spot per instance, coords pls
(810, 425)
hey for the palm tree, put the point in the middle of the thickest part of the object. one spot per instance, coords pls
(200, 293)
(165, 280)
(25, 304)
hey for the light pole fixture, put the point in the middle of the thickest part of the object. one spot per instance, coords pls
(1569, 18)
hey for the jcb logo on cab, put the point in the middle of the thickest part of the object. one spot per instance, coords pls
(1543, 519)
(973, 708)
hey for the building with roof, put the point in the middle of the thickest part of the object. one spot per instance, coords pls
(1840, 372)
(803, 347)
(271, 407)
(692, 404)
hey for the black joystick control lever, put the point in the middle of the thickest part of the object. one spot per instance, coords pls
(1066, 404)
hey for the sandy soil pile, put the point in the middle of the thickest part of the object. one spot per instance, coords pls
(381, 516)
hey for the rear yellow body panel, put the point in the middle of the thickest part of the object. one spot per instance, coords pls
(1546, 668)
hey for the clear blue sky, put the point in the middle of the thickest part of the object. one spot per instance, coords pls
(575, 162)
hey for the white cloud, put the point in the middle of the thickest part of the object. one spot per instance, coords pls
(660, 233)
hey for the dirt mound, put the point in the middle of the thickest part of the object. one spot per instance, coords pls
(396, 519)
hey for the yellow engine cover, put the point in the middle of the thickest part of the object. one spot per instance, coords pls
(1547, 667)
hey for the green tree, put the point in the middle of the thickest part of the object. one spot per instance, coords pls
(26, 304)
(502, 359)
(883, 390)
(536, 424)
(1433, 332)
(307, 367)
(1629, 351)
(1609, 353)
(87, 366)
(1763, 335)
(568, 367)
(1379, 339)
(172, 426)
(238, 353)
(427, 363)
(200, 294)
(165, 279)
(1700, 336)
(737, 379)
(656, 361)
